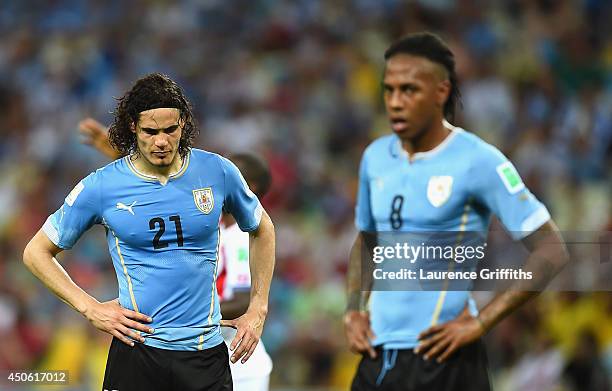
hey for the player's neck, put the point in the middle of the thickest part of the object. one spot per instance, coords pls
(430, 139)
(162, 173)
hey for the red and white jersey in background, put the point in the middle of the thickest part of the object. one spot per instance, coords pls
(233, 275)
(233, 272)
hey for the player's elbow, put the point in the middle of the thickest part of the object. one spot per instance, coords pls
(561, 253)
(37, 250)
(29, 255)
(551, 246)
(558, 256)
(563, 256)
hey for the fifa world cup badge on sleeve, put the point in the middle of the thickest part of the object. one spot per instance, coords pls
(510, 177)
(439, 189)
(204, 200)
(70, 198)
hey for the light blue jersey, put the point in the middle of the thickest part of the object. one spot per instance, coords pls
(163, 239)
(457, 186)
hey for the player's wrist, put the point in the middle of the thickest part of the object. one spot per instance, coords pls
(483, 328)
(350, 316)
(260, 309)
(353, 302)
(87, 307)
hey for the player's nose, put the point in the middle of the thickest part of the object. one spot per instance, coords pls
(395, 100)
(161, 140)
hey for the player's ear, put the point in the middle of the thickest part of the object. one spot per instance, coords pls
(443, 92)
(133, 127)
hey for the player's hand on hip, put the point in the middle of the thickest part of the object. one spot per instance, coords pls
(116, 320)
(359, 333)
(443, 340)
(249, 328)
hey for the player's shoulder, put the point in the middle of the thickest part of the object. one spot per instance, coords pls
(478, 150)
(113, 167)
(384, 143)
(201, 156)
(382, 151)
(109, 171)
(91, 185)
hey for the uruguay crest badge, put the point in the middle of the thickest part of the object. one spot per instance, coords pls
(439, 189)
(204, 199)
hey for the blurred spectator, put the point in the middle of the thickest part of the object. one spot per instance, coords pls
(585, 369)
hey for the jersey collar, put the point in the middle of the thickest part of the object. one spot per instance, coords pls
(432, 152)
(153, 178)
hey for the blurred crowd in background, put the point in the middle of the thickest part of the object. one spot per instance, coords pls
(299, 83)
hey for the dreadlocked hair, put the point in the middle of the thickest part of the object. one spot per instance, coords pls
(433, 48)
(152, 91)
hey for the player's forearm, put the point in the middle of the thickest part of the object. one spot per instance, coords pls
(548, 256)
(42, 263)
(359, 276)
(353, 277)
(261, 263)
(501, 306)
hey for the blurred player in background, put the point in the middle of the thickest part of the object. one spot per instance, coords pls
(234, 278)
(233, 272)
(431, 176)
(161, 206)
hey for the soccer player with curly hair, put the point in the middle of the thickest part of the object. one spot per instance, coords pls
(161, 205)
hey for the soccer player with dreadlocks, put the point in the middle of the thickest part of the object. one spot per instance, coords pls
(430, 176)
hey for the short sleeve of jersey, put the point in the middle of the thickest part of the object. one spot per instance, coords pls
(363, 213)
(501, 189)
(81, 210)
(239, 199)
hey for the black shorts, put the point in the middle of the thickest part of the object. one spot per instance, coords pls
(404, 370)
(146, 368)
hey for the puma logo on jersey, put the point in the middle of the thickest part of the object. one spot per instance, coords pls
(122, 206)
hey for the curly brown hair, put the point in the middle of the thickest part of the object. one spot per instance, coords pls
(153, 91)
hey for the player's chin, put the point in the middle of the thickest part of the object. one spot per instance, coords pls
(162, 160)
(406, 134)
